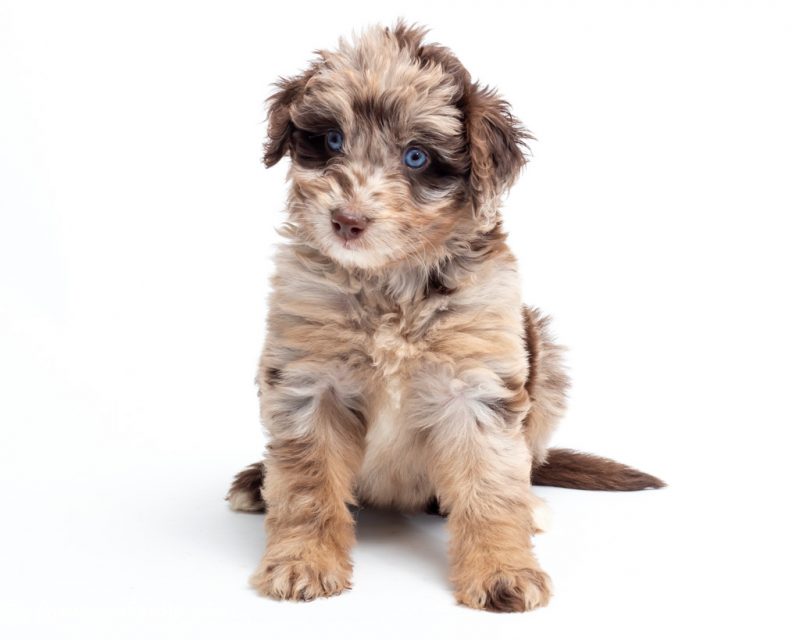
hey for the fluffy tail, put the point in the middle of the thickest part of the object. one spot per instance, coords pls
(564, 468)
(576, 470)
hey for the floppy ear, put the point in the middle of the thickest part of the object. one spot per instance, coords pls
(497, 145)
(279, 122)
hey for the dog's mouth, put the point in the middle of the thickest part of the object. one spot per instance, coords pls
(352, 245)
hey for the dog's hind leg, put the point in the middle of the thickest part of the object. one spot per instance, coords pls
(245, 492)
(547, 384)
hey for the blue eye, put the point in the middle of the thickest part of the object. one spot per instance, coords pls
(334, 139)
(415, 158)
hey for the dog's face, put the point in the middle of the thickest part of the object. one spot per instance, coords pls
(395, 152)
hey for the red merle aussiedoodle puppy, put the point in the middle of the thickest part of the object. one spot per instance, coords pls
(401, 368)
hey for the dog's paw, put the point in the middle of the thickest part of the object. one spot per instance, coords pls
(506, 591)
(300, 579)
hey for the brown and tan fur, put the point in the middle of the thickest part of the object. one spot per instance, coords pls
(401, 368)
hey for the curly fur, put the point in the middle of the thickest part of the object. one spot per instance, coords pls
(400, 368)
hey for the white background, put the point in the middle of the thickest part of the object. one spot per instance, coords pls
(657, 223)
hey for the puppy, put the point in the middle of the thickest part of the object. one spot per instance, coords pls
(401, 369)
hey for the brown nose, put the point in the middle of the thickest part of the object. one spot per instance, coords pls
(348, 225)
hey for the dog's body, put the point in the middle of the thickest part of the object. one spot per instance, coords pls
(400, 368)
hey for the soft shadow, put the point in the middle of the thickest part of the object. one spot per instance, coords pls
(200, 517)
(414, 543)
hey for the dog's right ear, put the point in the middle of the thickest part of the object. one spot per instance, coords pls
(279, 121)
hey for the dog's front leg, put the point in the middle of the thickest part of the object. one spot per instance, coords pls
(312, 459)
(480, 466)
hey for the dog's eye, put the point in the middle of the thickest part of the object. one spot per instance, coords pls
(334, 140)
(415, 158)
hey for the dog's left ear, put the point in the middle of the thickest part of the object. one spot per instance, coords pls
(497, 145)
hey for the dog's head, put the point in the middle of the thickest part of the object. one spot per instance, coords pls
(395, 152)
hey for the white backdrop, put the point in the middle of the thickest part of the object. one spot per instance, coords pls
(657, 223)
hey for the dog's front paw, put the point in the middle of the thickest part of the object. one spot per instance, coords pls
(300, 579)
(505, 590)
